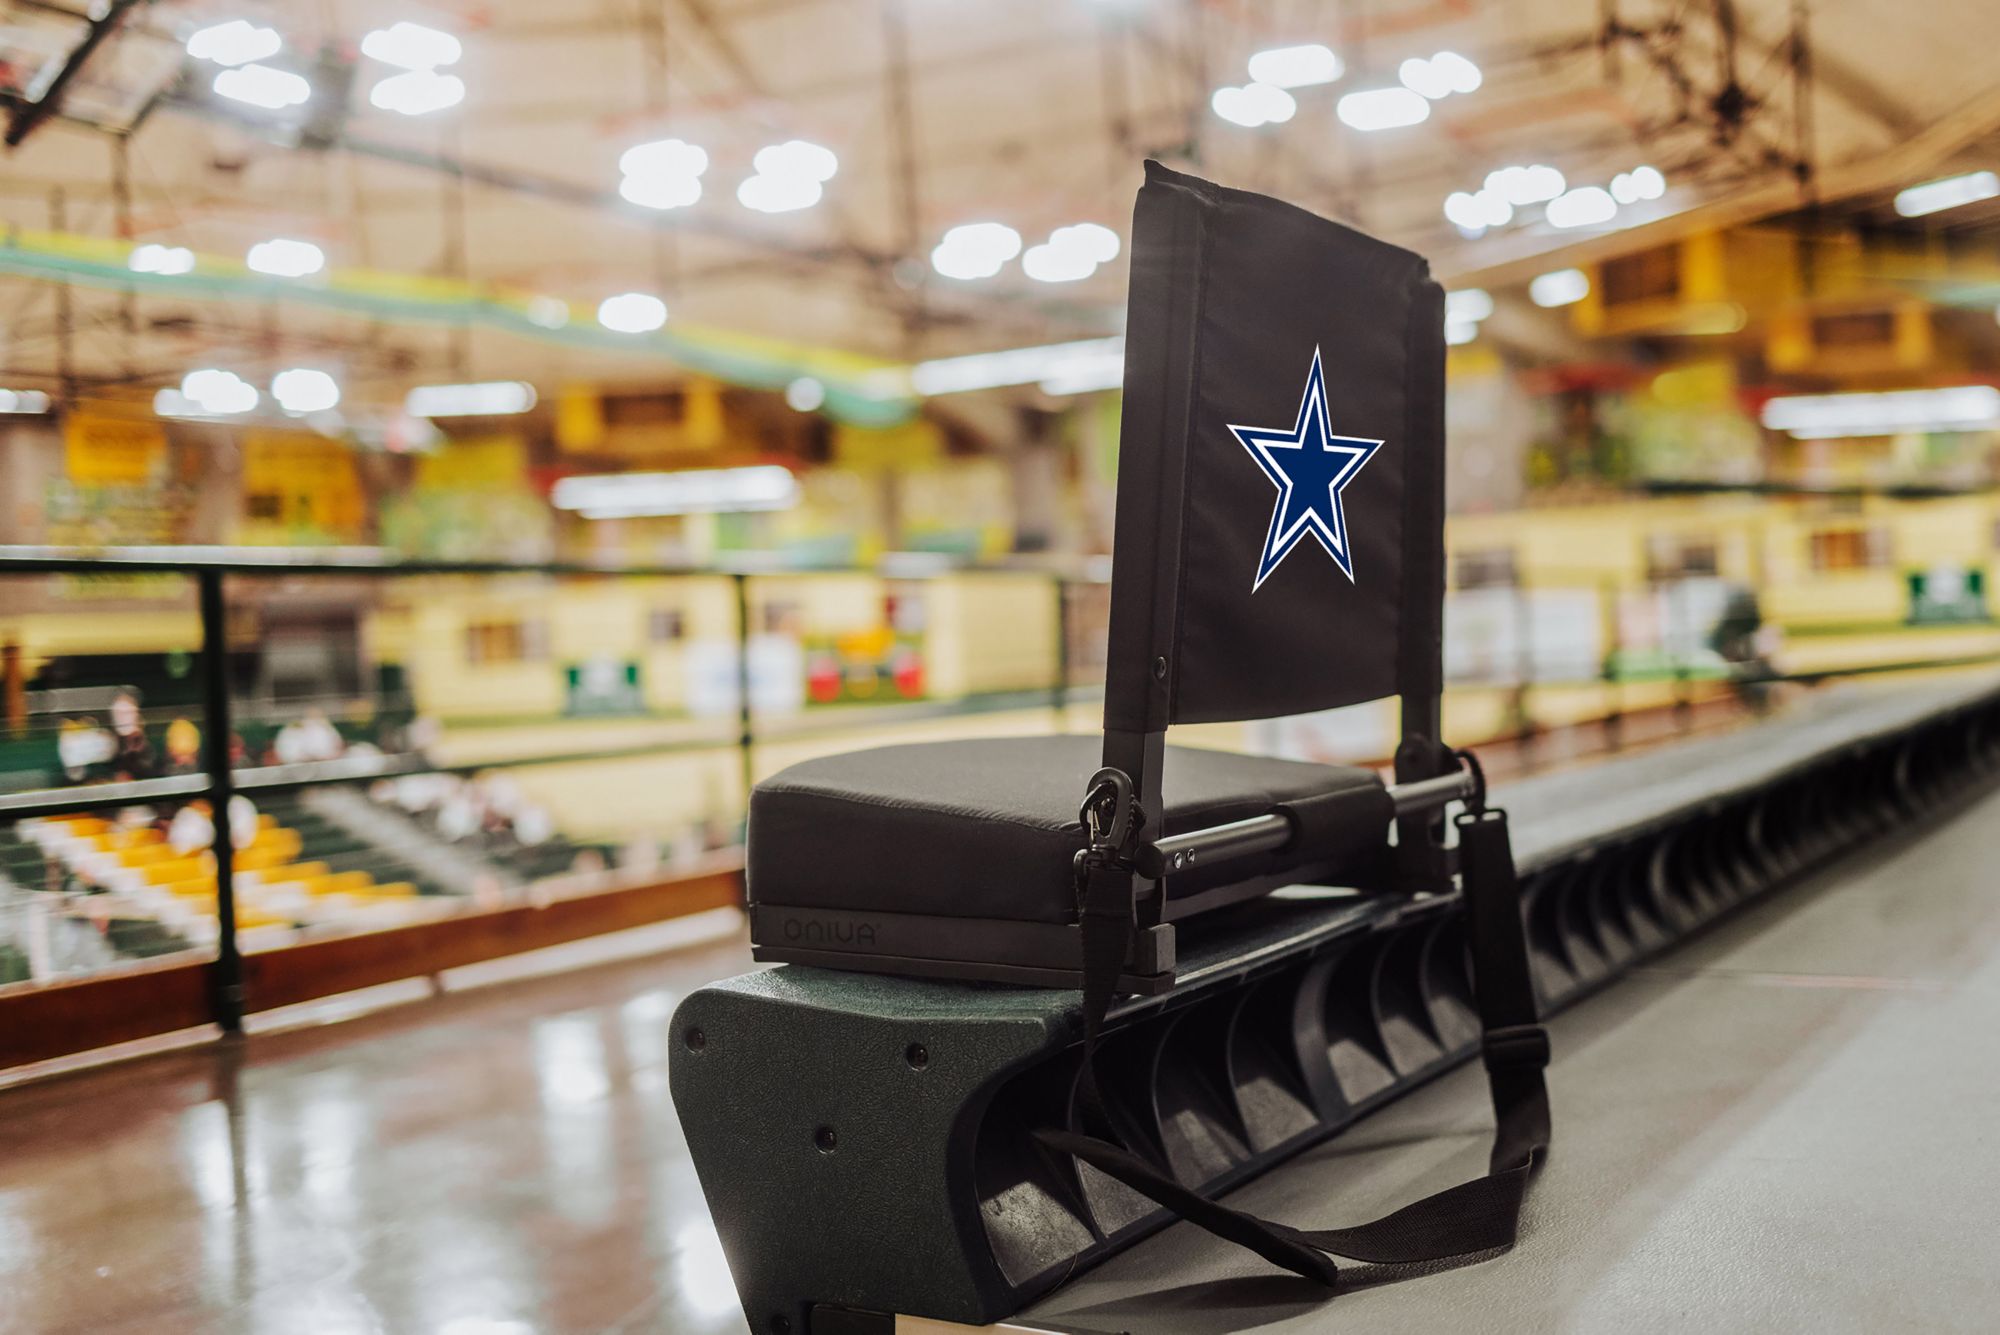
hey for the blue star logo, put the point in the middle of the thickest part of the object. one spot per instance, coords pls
(1309, 465)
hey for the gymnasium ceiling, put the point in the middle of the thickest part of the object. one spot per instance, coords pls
(1035, 113)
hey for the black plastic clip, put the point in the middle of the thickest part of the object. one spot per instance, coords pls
(1515, 1047)
(1111, 824)
(1476, 800)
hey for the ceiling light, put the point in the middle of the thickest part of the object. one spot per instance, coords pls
(1419, 76)
(417, 92)
(237, 42)
(1947, 193)
(695, 491)
(1093, 239)
(304, 390)
(664, 157)
(492, 398)
(663, 174)
(286, 258)
(1443, 74)
(805, 394)
(1476, 212)
(1295, 66)
(661, 192)
(1560, 288)
(412, 46)
(1637, 184)
(1459, 74)
(975, 250)
(263, 86)
(1071, 253)
(1527, 185)
(170, 402)
(778, 194)
(1253, 105)
(222, 393)
(632, 313)
(1585, 206)
(1016, 366)
(789, 177)
(1457, 332)
(1048, 264)
(23, 401)
(152, 258)
(796, 157)
(1826, 416)
(1383, 109)
(1469, 305)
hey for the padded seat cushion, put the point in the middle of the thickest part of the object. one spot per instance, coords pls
(989, 829)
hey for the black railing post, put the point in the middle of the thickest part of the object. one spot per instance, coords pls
(1059, 694)
(1614, 664)
(226, 980)
(746, 726)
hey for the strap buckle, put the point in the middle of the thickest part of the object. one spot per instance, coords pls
(1107, 810)
(1515, 1047)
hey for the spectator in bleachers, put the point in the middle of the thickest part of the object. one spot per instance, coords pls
(306, 739)
(193, 826)
(132, 754)
(183, 747)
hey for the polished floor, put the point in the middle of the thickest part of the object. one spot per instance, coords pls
(501, 1161)
(1787, 1125)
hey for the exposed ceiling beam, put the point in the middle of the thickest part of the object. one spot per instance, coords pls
(25, 116)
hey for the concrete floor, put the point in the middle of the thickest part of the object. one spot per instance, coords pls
(1788, 1125)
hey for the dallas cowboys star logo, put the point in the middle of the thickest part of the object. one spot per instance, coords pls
(1309, 465)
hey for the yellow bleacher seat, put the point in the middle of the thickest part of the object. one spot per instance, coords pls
(341, 883)
(286, 873)
(271, 848)
(145, 836)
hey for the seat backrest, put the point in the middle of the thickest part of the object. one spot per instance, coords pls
(1280, 516)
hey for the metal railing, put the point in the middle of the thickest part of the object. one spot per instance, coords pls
(213, 569)
(218, 780)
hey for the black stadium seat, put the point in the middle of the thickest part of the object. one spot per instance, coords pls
(989, 829)
(1289, 565)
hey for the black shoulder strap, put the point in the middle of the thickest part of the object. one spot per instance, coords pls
(1480, 1215)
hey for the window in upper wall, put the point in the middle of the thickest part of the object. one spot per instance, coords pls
(666, 625)
(1485, 568)
(1681, 556)
(488, 642)
(1850, 548)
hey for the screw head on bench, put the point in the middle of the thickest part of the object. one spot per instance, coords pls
(824, 1139)
(1160, 669)
(694, 1038)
